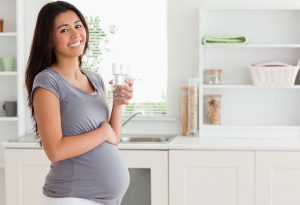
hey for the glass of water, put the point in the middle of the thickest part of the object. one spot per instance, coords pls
(121, 73)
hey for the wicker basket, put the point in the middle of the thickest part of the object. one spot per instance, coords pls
(274, 76)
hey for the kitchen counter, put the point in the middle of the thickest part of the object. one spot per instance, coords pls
(29, 142)
(196, 143)
(185, 143)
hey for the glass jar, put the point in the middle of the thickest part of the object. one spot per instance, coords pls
(212, 76)
(212, 109)
(184, 110)
(193, 106)
(1, 24)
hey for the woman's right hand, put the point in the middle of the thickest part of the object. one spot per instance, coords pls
(110, 134)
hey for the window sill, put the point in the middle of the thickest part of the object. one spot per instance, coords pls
(151, 118)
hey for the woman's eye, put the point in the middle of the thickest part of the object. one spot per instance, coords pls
(64, 30)
(78, 26)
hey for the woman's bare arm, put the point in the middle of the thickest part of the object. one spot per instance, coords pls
(47, 114)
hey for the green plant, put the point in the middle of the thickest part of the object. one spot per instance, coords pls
(98, 40)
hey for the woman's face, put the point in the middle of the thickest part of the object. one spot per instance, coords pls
(69, 35)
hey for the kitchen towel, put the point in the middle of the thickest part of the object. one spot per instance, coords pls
(226, 39)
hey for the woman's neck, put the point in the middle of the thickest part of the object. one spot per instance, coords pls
(68, 68)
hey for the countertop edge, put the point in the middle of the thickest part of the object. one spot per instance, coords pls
(190, 143)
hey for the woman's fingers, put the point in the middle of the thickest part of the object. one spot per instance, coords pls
(130, 82)
(123, 94)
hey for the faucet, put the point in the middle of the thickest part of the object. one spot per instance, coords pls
(130, 118)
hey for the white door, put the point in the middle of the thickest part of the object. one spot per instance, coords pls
(25, 172)
(277, 178)
(211, 177)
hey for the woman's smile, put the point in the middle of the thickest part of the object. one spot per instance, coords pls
(75, 45)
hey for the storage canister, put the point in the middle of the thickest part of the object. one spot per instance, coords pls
(184, 110)
(212, 109)
(212, 76)
(193, 106)
(1, 24)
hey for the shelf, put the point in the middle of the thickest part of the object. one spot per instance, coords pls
(251, 126)
(252, 8)
(10, 73)
(248, 87)
(8, 34)
(248, 110)
(251, 46)
(8, 119)
(252, 131)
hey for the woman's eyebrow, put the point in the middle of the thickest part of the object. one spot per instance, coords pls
(78, 21)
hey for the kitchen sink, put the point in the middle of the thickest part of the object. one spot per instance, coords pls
(147, 138)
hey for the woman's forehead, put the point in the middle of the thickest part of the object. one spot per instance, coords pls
(66, 18)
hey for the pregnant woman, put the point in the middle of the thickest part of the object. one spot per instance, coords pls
(71, 115)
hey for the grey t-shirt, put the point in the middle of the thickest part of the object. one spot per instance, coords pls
(100, 174)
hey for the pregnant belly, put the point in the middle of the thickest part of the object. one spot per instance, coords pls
(101, 172)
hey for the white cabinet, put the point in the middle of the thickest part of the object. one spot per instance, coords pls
(211, 177)
(234, 177)
(178, 177)
(11, 82)
(246, 110)
(26, 170)
(277, 178)
(8, 80)
(157, 162)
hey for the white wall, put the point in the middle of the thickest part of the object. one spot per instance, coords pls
(183, 39)
(182, 52)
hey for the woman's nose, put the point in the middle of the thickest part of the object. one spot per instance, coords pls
(75, 33)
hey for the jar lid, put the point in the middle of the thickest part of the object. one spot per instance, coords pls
(212, 96)
(213, 70)
(184, 88)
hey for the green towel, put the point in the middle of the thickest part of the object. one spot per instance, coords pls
(233, 39)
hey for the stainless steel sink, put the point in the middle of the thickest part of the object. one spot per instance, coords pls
(147, 138)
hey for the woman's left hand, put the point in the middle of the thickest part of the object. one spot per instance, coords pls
(123, 93)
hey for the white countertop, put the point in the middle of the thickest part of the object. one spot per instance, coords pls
(197, 143)
(29, 142)
(185, 143)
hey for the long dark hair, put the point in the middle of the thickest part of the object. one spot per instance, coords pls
(42, 54)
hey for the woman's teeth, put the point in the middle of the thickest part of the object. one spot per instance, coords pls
(73, 45)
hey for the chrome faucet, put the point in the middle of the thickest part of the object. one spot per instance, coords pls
(130, 118)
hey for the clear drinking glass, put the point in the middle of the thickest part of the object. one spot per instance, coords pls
(121, 73)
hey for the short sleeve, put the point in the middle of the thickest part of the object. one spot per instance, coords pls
(101, 83)
(46, 80)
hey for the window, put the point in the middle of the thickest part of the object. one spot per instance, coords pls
(133, 31)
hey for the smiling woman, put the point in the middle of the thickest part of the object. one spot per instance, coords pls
(69, 36)
(141, 40)
(72, 119)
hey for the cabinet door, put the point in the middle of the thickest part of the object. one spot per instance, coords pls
(157, 162)
(277, 178)
(25, 172)
(211, 178)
